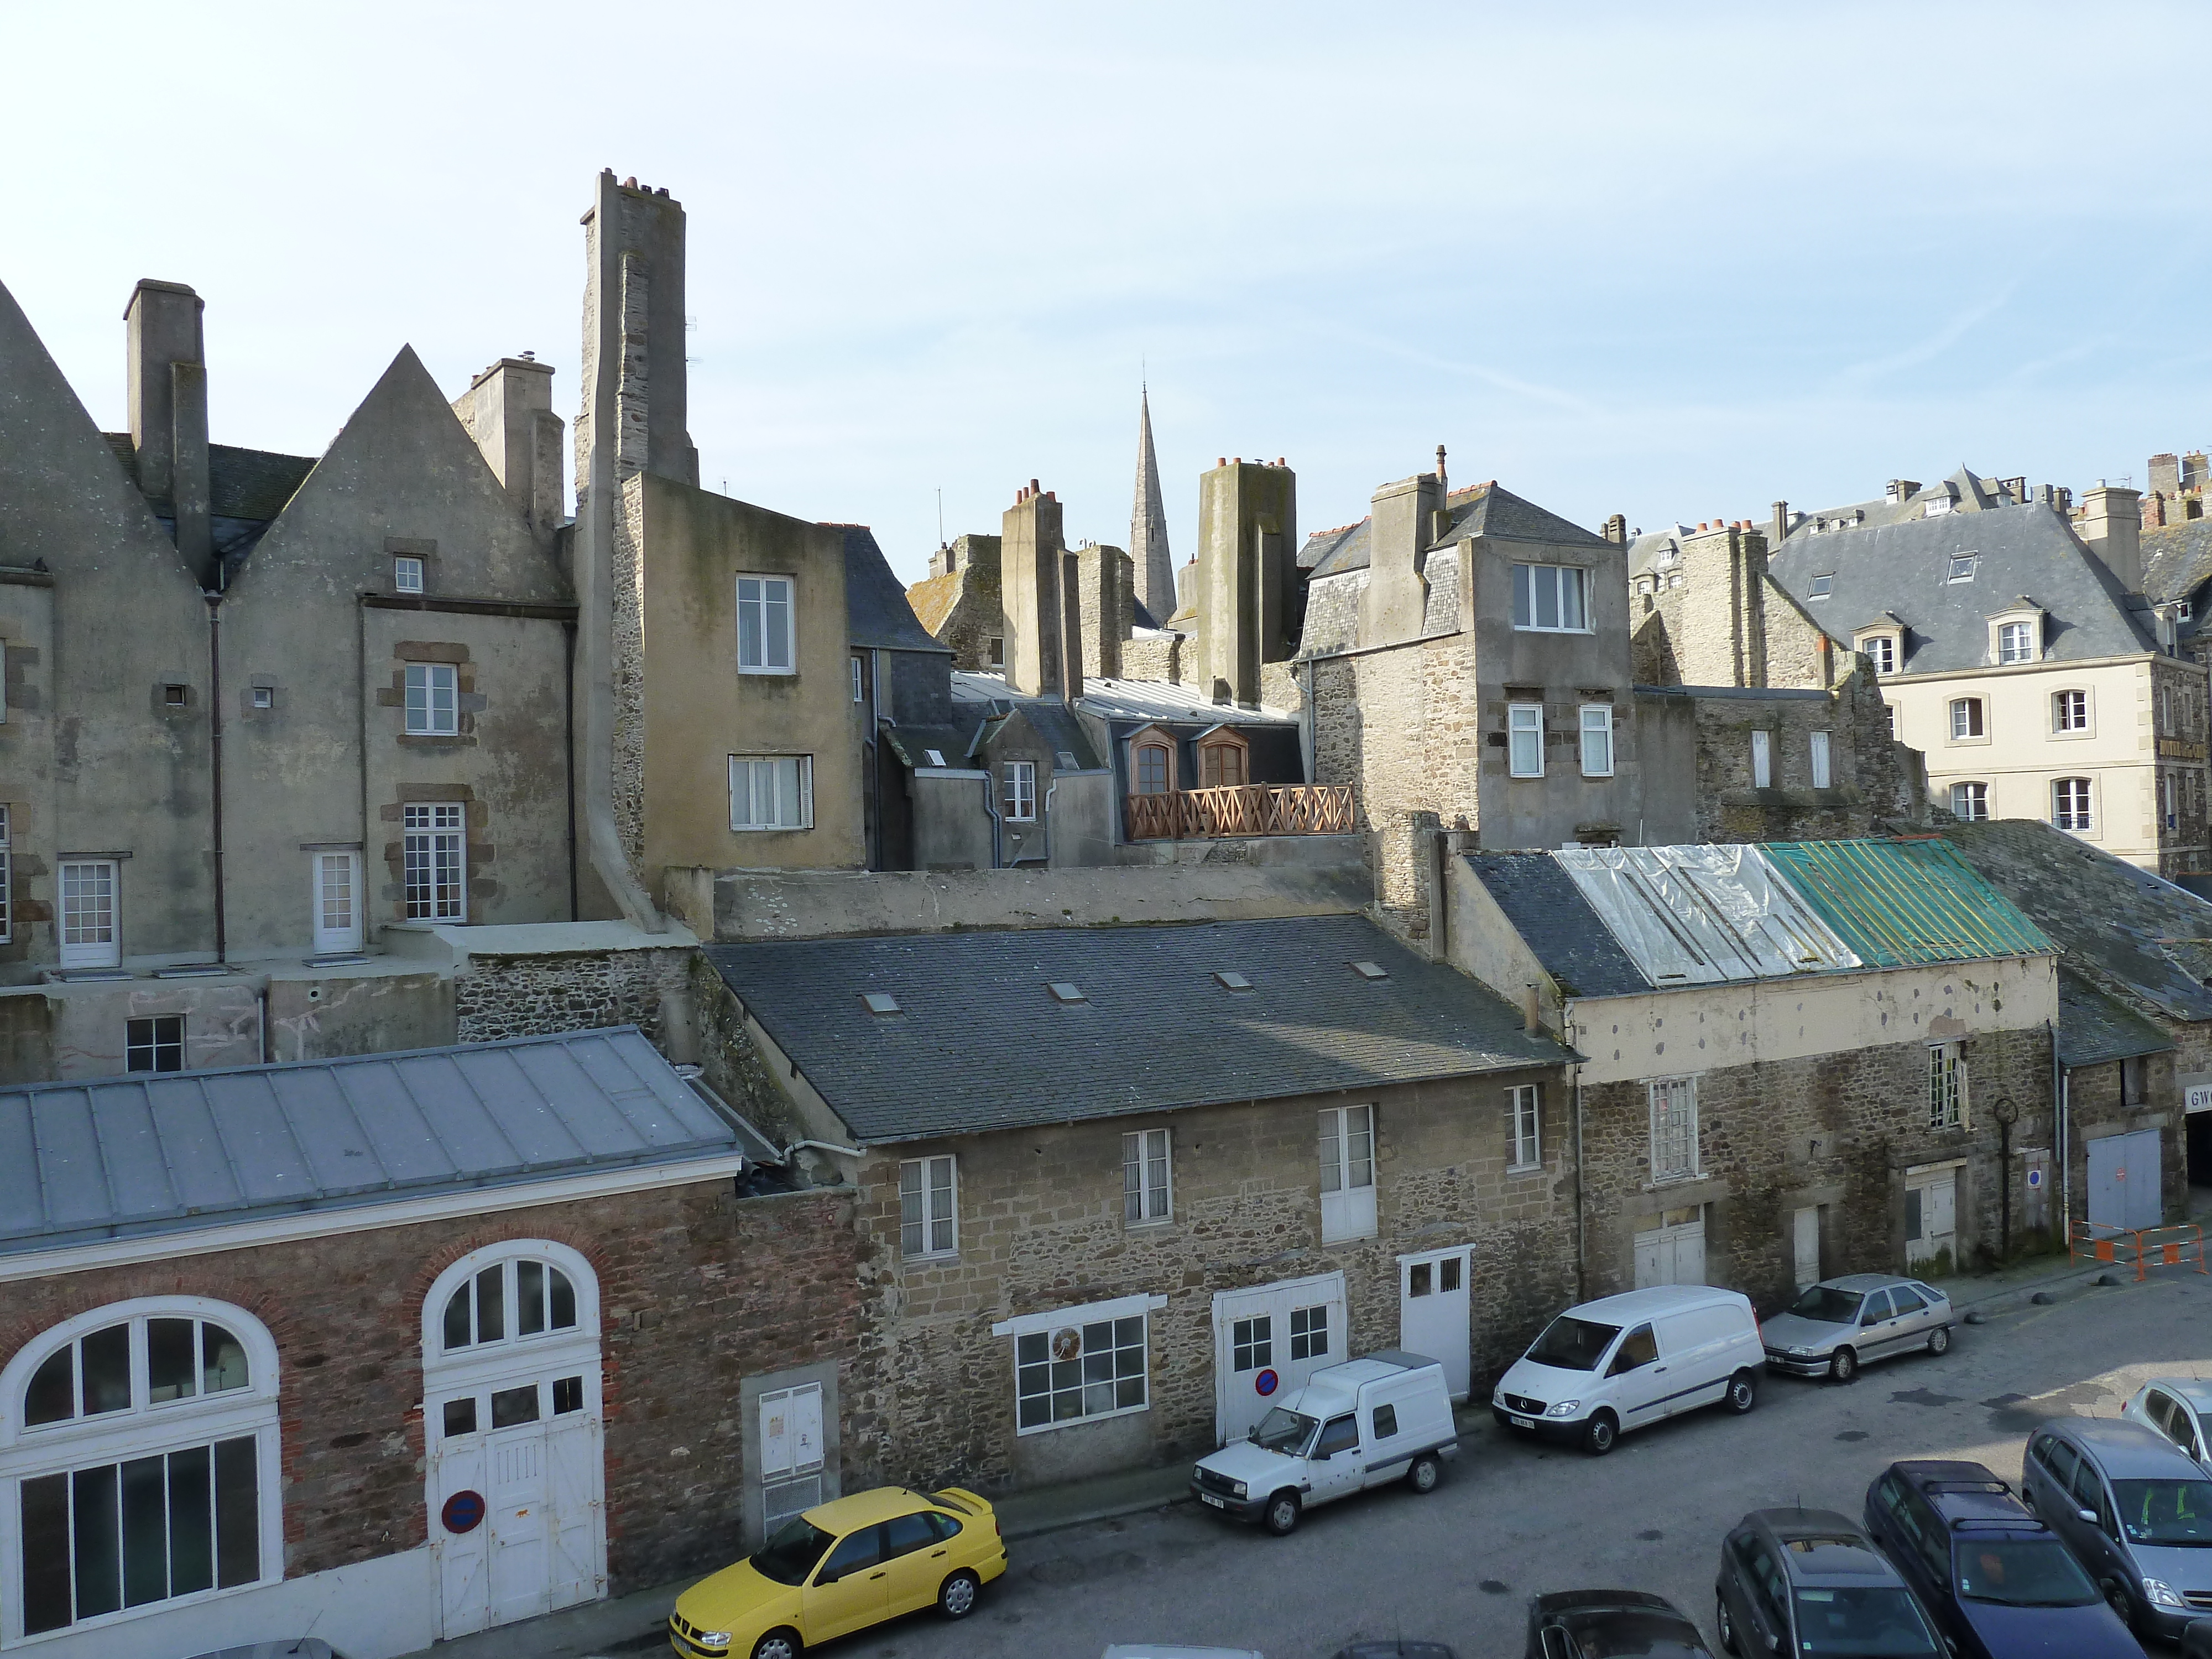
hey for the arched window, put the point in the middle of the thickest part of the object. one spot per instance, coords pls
(1221, 764)
(139, 1464)
(1155, 767)
(510, 1300)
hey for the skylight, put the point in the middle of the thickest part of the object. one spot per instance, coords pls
(1962, 568)
(1370, 970)
(881, 1002)
(934, 757)
(1232, 982)
(1062, 991)
(1821, 585)
(1065, 759)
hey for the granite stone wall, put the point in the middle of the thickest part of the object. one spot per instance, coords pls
(544, 994)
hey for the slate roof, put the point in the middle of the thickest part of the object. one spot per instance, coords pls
(1550, 912)
(1480, 510)
(1903, 568)
(154, 1154)
(252, 484)
(877, 614)
(2094, 1029)
(981, 1044)
(933, 598)
(2176, 560)
(1899, 902)
(2121, 925)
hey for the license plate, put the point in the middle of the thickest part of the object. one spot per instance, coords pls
(1521, 1422)
(1208, 1497)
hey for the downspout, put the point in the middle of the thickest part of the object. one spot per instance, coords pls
(213, 597)
(2063, 1079)
(1047, 809)
(998, 824)
(569, 737)
(1582, 1288)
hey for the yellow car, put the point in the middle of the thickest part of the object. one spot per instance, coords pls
(843, 1567)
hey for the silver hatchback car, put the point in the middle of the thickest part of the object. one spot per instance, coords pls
(1840, 1324)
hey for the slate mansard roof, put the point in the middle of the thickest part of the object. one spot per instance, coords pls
(169, 1153)
(979, 1042)
(877, 613)
(1480, 510)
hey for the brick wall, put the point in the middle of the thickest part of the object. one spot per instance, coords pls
(542, 995)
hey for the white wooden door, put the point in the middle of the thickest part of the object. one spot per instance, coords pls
(1807, 1238)
(519, 1551)
(1434, 1312)
(337, 899)
(1267, 1341)
(575, 1515)
(1931, 1219)
(791, 1452)
(458, 1536)
(1671, 1251)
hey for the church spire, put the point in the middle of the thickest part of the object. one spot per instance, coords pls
(1148, 525)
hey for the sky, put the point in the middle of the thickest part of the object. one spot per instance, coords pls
(1674, 262)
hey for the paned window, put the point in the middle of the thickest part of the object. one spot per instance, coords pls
(1080, 1371)
(1970, 801)
(2069, 803)
(88, 930)
(1252, 1343)
(1347, 1173)
(2169, 795)
(433, 699)
(1309, 1332)
(1881, 649)
(1522, 1109)
(856, 679)
(2016, 642)
(771, 791)
(436, 863)
(1967, 717)
(927, 1221)
(1220, 765)
(1823, 776)
(1673, 1129)
(1524, 727)
(2070, 711)
(764, 625)
(407, 574)
(1550, 599)
(1145, 1177)
(154, 1044)
(1021, 791)
(1946, 1087)
(1762, 760)
(337, 901)
(506, 1301)
(6, 884)
(1597, 739)
(1151, 769)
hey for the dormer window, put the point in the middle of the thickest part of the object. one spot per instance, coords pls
(1222, 760)
(2016, 634)
(1881, 649)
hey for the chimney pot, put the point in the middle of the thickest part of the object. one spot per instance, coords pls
(1033, 486)
(631, 183)
(1221, 460)
(1531, 1024)
(1279, 461)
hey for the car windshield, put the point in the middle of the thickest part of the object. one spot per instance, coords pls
(789, 1556)
(1828, 1304)
(1280, 1431)
(2022, 1572)
(2164, 1511)
(1877, 1620)
(1573, 1344)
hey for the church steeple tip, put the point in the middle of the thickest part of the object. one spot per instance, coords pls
(1148, 522)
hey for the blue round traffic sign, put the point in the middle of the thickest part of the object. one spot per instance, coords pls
(1267, 1383)
(464, 1512)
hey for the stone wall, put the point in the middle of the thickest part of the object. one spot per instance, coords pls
(543, 994)
(1155, 657)
(2096, 1108)
(626, 583)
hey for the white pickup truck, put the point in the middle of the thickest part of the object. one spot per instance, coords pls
(1385, 1417)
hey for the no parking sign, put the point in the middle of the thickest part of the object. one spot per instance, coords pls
(1267, 1383)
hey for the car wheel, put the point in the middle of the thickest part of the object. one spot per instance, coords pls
(777, 1645)
(1843, 1365)
(1424, 1475)
(1939, 1340)
(956, 1596)
(1742, 1393)
(1282, 1517)
(1721, 1619)
(2118, 1599)
(1598, 1437)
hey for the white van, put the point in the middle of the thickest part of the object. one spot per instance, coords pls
(1353, 1426)
(1623, 1361)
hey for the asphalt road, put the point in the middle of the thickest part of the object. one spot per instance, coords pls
(1512, 1520)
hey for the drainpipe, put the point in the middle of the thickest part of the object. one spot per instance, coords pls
(213, 597)
(998, 824)
(1582, 1287)
(1047, 809)
(569, 737)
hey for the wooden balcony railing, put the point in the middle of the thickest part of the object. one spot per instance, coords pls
(1252, 809)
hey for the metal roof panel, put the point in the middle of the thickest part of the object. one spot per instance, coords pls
(1899, 902)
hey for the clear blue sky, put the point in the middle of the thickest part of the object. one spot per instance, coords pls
(1670, 261)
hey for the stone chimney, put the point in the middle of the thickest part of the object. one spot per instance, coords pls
(508, 411)
(2166, 476)
(1247, 513)
(2153, 511)
(1616, 530)
(1398, 548)
(1104, 607)
(1032, 558)
(1724, 584)
(2111, 524)
(634, 385)
(1780, 534)
(167, 396)
(1900, 490)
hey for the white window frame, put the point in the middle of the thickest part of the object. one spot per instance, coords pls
(1762, 759)
(1673, 1102)
(1596, 749)
(2060, 710)
(1524, 1128)
(1982, 801)
(93, 916)
(1881, 650)
(2074, 809)
(856, 677)
(1147, 1178)
(1946, 1087)
(334, 908)
(505, 1259)
(1020, 800)
(407, 574)
(937, 1231)
(1969, 720)
(434, 699)
(765, 605)
(434, 847)
(1529, 583)
(1817, 746)
(1054, 1356)
(1347, 1173)
(1524, 720)
(146, 1428)
(746, 799)
(2169, 799)
(2016, 643)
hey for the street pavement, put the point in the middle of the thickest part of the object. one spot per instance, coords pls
(1512, 1520)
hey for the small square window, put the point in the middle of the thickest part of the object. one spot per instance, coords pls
(156, 1044)
(1822, 586)
(880, 1002)
(265, 697)
(407, 574)
(173, 696)
(460, 1417)
(1962, 568)
(1062, 991)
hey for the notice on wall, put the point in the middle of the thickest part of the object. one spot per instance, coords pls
(2195, 1091)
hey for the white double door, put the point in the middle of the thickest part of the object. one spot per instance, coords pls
(1670, 1248)
(2124, 1190)
(1435, 1311)
(1931, 1220)
(1267, 1341)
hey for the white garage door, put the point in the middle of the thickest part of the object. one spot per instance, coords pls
(1267, 1341)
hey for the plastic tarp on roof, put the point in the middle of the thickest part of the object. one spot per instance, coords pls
(1697, 916)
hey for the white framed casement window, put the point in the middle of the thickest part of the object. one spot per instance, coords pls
(1523, 1111)
(1762, 760)
(1347, 1173)
(928, 1208)
(2070, 711)
(1966, 719)
(336, 897)
(1970, 802)
(1524, 740)
(1147, 1195)
(139, 1464)
(90, 937)
(2016, 642)
(856, 679)
(1551, 599)
(2070, 805)
(1823, 772)
(1077, 1365)
(764, 625)
(1882, 651)
(771, 791)
(1673, 1127)
(1946, 1087)
(407, 574)
(1021, 791)
(1597, 739)
(433, 700)
(433, 858)
(7, 882)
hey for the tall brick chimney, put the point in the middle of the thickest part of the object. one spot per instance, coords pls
(167, 395)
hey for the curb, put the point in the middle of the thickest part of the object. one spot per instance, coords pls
(1113, 1511)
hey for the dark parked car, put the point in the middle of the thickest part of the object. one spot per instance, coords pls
(1998, 1580)
(2136, 1511)
(1810, 1583)
(1588, 1624)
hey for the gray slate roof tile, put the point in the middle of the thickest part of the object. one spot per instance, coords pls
(2093, 1029)
(1550, 912)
